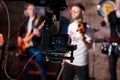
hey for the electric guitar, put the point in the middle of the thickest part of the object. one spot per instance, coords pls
(28, 37)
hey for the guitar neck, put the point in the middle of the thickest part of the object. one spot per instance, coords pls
(32, 34)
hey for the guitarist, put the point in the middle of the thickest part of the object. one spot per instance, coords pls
(30, 34)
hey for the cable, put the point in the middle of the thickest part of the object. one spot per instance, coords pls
(7, 42)
(8, 20)
(5, 65)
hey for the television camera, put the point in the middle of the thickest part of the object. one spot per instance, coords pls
(54, 46)
(60, 45)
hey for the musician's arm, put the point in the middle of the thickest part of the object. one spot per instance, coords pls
(88, 42)
(70, 32)
(36, 31)
(89, 36)
(88, 39)
(106, 20)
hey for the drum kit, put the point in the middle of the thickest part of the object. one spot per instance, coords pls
(110, 46)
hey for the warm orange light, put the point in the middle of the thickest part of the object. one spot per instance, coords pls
(1, 38)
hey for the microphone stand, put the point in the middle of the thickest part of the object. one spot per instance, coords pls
(93, 66)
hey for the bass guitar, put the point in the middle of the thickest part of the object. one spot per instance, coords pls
(28, 37)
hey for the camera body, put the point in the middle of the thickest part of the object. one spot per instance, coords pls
(54, 46)
(60, 44)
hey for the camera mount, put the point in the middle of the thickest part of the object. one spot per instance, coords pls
(58, 57)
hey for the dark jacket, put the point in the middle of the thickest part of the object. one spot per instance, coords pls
(36, 22)
(114, 24)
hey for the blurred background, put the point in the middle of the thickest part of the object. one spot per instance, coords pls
(98, 62)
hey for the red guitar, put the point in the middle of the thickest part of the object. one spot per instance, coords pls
(28, 37)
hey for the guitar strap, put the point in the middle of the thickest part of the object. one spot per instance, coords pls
(37, 21)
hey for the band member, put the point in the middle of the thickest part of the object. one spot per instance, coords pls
(113, 20)
(77, 31)
(29, 37)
